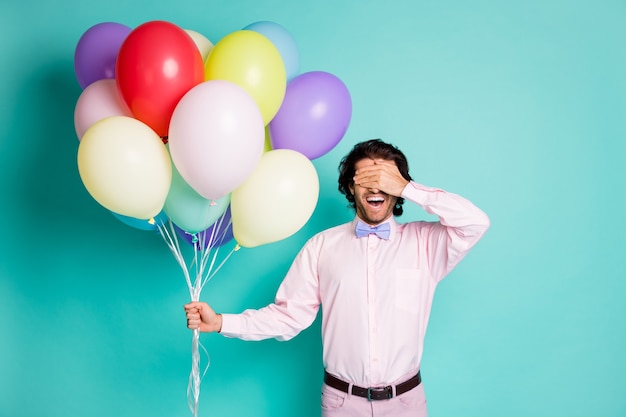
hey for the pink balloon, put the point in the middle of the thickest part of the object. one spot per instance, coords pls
(216, 137)
(99, 100)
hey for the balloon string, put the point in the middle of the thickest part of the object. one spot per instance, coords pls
(211, 271)
(172, 243)
(193, 387)
(204, 271)
(195, 379)
(209, 276)
(208, 245)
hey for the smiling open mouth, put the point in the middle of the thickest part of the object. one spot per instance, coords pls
(375, 201)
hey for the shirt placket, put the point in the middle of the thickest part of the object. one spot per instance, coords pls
(372, 295)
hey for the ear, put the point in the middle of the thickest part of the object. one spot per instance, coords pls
(351, 186)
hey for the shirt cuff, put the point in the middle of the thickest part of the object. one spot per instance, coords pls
(231, 325)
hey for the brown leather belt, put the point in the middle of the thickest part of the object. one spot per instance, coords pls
(373, 393)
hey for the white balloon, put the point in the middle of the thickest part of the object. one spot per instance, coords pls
(216, 137)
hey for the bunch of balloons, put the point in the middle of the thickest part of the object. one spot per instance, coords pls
(173, 127)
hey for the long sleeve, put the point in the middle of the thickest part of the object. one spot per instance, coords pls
(294, 308)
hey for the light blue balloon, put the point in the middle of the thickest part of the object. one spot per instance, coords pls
(283, 41)
(189, 210)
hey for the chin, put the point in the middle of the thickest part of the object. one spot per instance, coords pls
(373, 219)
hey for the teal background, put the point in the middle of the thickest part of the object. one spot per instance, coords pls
(519, 106)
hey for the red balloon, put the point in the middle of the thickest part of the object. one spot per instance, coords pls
(157, 64)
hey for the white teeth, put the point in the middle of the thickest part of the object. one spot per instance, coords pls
(375, 199)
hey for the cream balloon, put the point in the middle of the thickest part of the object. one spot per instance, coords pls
(204, 45)
(276, 200)
(125, 166)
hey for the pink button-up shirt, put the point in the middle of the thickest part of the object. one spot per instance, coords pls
(375, 294)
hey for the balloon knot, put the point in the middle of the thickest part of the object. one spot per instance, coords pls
(151, 221)
(237, 247)
(164, 139)
(194, 238)
(213, 203)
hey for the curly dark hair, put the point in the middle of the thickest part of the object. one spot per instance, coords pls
(371, 149)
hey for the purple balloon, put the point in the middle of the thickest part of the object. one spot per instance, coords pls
(314, 115)
(221, 236)
(96, 52)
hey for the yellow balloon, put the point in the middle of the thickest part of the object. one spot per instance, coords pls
(125, 166)
(276, 200)
(251, 61)
(268, 142)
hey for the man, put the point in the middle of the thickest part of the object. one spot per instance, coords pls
(375, 279)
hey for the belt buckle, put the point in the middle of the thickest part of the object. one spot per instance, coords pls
(380, 393)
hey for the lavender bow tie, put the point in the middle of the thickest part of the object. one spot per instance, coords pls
(382, 230)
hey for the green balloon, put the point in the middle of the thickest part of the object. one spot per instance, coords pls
(189, 210)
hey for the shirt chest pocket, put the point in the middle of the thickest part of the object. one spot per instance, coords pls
(408, 286)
